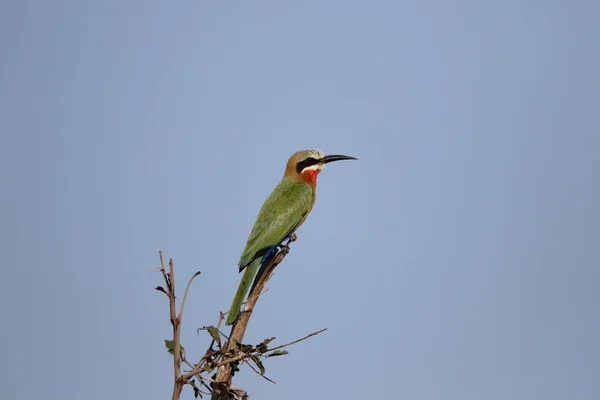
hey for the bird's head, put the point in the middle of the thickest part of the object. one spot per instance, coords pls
(305, 165)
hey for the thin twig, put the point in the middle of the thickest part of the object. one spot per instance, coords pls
(176, 322)
(232, 388)
(201, 378)
(187, 288)
(255, 297)
(296, 341)
(171, 276)
(258, 372)
(189, 364)
(244, 356)
(221, 318)
(198, 368)
(164, 272)
(239, 357)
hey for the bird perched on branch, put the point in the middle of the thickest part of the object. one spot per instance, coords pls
(280, 215)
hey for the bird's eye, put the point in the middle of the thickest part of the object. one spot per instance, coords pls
(309, 160)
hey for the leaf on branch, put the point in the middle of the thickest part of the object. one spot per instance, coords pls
(262, 347)
(245, 348)
(235, 367)
(277, 353)
(170, 345)
(258, 363)
(197, 392)
(214, 332)
(161, 289)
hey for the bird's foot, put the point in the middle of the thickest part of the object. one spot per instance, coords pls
(290, 239)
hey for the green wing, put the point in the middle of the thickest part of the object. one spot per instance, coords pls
(283, 211)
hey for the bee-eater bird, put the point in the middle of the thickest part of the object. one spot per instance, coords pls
(280, 215)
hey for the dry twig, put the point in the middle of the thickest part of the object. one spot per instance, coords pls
(296, 341)
(169, 278)
(226, 355)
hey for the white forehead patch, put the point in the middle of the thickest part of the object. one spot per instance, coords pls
(315, 153)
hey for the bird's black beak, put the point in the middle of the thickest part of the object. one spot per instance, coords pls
(328, 159)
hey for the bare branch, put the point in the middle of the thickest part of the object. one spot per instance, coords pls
(258, 372)
(198, 368)
(164, 272)
(187, 288)
(221, 318)
(240, 393)
(224, 356)
(239, 357)
(256, 296)
(296, 341)
(244, 356)
(170, 292)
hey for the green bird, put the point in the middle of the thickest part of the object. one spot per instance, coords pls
(280, 215)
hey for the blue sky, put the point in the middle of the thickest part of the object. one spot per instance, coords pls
(457, 259)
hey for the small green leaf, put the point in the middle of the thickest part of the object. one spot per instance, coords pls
(244, 348)
(170, 345)
(262, 347)
(266, 341)
(214, 332)
(258, 363)
(278, 353)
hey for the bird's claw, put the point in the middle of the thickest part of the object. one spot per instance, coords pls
(290, 239)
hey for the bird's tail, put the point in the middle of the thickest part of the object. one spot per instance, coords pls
(266, 260)
(240, 295)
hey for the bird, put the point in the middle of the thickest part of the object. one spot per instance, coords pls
(281, 214)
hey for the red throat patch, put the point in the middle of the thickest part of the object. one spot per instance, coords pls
(311, 175)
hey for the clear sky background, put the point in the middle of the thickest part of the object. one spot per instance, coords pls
(457, 259)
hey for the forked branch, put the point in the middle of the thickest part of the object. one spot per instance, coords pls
(224, 354)
(169, 278)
